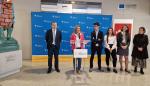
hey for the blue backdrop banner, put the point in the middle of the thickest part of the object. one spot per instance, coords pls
(66, 23)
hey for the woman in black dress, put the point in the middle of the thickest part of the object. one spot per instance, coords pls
(123, 42)
(140, 53)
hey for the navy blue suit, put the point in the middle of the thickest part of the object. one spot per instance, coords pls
(53, 49)
(96, 41)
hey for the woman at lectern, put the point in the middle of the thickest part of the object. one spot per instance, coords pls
(140, 52)
(110, 49)
(77, 42)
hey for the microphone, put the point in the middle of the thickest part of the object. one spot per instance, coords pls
(79, 35)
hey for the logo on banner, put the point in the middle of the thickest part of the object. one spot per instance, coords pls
(64, 22)
(73, 17)
(106, 19)
(89, 18)
(63, 31)
(38, 15)
(56, 16)
(47, 21)
(37, 26)
(80, 22)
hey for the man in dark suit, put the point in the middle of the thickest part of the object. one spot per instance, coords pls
(96, 45)
(53, 40)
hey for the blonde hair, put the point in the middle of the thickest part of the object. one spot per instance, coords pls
(76, 27)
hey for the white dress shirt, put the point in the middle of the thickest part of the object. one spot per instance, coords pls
(54, 36)
(96, 34)
(124, 37)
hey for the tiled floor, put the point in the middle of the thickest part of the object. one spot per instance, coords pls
(34, 74)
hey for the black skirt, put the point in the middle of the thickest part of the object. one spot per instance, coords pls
(122, 52)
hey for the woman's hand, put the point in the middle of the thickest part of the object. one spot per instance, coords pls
(124, 47)
(140, 49)
(72, 42)
(85, 41)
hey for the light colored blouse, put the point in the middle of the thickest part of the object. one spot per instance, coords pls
(111, 40)
(77, 41)
(124, 37)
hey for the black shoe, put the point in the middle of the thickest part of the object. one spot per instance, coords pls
(90, 70)
(49, 71)
(100, 70)
(57, 70)
(135, 69)
(142, 72)
(108, 69)
(115, 71)
(127, 71)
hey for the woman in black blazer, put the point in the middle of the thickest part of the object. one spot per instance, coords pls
(123, 42)
(140, 53)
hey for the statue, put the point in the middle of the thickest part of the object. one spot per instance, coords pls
(7, 42)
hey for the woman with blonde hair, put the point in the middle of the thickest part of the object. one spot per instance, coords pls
(77, 42)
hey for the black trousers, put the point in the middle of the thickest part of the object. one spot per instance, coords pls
(93, 51)
(112, 54)
(53, 51)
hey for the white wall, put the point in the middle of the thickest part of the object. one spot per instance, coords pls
(22, 30)
(23, 8)
(140, 15)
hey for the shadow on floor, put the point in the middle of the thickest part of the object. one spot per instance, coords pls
(36, 70)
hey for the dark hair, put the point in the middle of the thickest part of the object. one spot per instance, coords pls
(96, 23)
(53, 22)
(143, 29)
(127, 31)
(108, 33)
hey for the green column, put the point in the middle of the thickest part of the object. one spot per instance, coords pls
(2, 36)
(9, 33)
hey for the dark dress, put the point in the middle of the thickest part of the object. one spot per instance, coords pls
(139, 57)
(120, 50)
